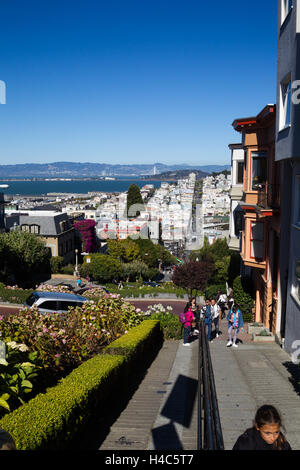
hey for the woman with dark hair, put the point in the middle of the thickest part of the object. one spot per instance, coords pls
(265, 433)
(196, 312)
(187, 325)
(6, 441)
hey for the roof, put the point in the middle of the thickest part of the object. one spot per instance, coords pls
(58, 296)
(49, 222)
(253, 122)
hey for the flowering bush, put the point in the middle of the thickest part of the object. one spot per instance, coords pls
(95, 293)
(158, 308)
(87, 232)
(169, 322)
(14, 294)
(64, 341)
(50, 288)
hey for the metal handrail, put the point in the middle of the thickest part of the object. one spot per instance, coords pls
(210, 435)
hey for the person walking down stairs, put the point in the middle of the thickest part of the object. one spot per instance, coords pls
(235, 322)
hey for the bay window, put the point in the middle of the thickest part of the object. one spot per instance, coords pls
(259, 170)
(257, 240)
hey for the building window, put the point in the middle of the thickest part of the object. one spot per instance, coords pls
(285, 103)
(240, 173)
(35, 229)
(257, 240)
(296, 282)
(286, 6)
(259, 170)
(25, 228)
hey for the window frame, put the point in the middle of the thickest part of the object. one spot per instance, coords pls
(255, 222)
(35, 228)
(25, 228)
(285, 109)
(295, 289)
(238, 165)
(265, 157)
(286, 8)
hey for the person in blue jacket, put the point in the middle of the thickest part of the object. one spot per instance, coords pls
(206, 314)
(235, 322)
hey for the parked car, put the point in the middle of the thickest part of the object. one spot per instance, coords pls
(49, 302)
(151, 284)
(68, 286)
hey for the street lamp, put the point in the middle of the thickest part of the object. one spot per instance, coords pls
(76, 263)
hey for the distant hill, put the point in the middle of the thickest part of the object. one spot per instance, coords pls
(176, 175)
(77, 170)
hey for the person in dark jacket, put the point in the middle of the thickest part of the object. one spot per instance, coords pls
(6, 441)
(196, 312)
(265, 433)
(207, 315)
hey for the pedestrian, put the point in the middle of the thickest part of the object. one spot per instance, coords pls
(207, 315)
(221, 301)
(216, 313)
(230, 301)
(265, 433)
(187, 324)
(195, 309)
(78, 282)
(235, 322)
(6, 441)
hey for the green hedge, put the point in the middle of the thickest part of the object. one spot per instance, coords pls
(53, 419)
(170, 324)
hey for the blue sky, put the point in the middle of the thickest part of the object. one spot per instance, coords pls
(132, 81)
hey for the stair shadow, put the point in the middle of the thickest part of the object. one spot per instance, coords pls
(98, 429)
(294, 370)
(179, 409)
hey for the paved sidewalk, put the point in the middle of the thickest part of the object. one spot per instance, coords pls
(250, 376)
(162, 413)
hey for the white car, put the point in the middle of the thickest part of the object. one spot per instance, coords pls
(49, 302)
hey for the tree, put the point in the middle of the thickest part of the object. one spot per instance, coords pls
(102, 268)
(23, 256)
(87, 231)
(147, 252)
(123, 250)
(135, 202)
(193, 276)
(116, 249)
(137, 269)
(56, 263)
(164, 255)
(242, 293)
(131, 250)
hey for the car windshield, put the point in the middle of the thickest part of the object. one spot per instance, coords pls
(30, 300)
